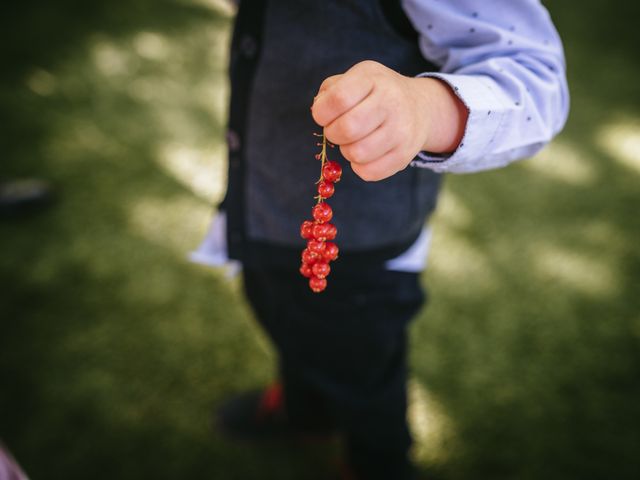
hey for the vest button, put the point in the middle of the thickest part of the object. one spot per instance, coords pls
(233, 140)
(248, 46)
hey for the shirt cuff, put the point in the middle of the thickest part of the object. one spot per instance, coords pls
(485, 109)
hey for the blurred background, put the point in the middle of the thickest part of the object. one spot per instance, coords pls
(114, 349)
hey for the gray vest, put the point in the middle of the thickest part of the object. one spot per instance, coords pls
(301, 43)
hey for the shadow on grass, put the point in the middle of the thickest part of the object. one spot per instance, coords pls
(531, 344)
(114, 349)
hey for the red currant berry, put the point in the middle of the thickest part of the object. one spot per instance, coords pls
(305, 270)
(332, 171)
(322, 212)
(325, 189)
(315, 257)
(310, 257)
(317, 284)
(332, 231)
(306, 229)
(320, 231)
(321, 269)
(330, 252)
(315, 246)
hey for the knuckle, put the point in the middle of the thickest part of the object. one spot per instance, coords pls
(339, 99)
(327, 82)
(368, 65)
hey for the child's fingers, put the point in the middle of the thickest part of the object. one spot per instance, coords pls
(327, 84)
(370, 148)
(357, 123)
(340, 96)
(385, 166)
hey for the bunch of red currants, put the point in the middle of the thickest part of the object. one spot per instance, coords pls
(319, 232)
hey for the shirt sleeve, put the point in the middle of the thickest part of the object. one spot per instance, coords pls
(504, 60)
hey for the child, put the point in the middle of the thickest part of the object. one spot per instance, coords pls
(408, 90)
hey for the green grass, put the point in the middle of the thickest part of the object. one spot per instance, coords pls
(114, 348)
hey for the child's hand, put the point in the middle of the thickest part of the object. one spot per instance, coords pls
(382, 119)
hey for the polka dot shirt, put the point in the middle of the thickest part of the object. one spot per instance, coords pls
(504, 60)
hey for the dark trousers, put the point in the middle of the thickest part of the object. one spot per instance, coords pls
(343, 356)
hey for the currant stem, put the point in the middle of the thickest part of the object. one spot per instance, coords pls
(323, 160)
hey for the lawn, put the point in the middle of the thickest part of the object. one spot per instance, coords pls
(114, 348)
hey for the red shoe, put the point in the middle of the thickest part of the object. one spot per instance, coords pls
(261, 416)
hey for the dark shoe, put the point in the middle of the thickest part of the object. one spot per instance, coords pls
(345, 472)
(261, 416)
(254, 415)
(19, 197)
(375, 471)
